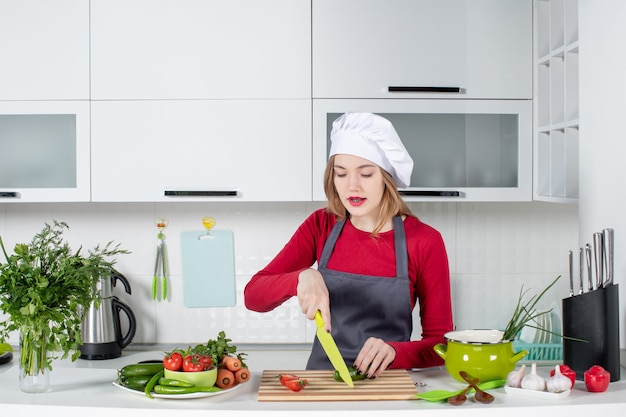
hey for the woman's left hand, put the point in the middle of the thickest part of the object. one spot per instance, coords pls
(375, 356)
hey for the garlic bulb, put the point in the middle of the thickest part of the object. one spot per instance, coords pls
(514, 378)
(533, 380)
(558, 382)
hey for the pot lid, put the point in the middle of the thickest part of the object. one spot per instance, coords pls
(475, 336)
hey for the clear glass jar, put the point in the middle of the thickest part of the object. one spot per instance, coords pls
(34, 372)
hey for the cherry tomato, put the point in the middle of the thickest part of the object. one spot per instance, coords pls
(191, 363)
(205, 361)
(295, 384)
(597, 379)
(283, 378)
(173, 361)
(568, 372)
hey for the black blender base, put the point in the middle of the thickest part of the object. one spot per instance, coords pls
(99, 351)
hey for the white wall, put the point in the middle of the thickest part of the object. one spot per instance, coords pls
(494, 249)
(602, 139)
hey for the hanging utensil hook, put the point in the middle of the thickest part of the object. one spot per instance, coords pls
(160, 264)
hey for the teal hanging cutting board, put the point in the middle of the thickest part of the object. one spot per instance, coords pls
(208, 265)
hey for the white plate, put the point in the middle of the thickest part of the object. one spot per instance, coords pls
(179, 396)
(547, 325)
(541, 324)
(556, 322)
(528, 334)
(529, 393)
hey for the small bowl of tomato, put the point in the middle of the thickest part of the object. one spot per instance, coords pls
(191, 368)
(198, 378)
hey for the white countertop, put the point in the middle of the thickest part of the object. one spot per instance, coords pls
(86, 387)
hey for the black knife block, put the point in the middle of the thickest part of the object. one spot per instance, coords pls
(594, 318)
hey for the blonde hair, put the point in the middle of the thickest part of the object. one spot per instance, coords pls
(391, 203)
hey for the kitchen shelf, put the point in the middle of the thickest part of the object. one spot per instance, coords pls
(556, 101)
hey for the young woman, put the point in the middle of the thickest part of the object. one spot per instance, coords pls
(374, 258)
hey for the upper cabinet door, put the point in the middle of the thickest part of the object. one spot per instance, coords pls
(199, 49)
(201, 150)
(44, 48)
(422, 48)
(44, 151)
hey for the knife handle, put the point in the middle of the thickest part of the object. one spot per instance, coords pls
(571, 273)
(598, 248)
(589, 271)
(581, 269)
(609, 248)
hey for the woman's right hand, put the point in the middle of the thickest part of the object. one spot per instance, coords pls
(313, 295)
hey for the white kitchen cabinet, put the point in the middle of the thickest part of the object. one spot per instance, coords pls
(200, 49)
(422, 48)
(201, 150)
(44, 47)
(556, 105)
(44, 151)
(463, 150)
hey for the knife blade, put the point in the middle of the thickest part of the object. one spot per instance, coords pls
(609, 248)
(598, 248)
(581, 269)
(571, 273)
(589, 270)
(331, 349)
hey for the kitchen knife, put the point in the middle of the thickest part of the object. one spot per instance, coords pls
(598, 248)
(331, 349)
(589, 271)
(581, 269)
(571, 273)
(609, 248)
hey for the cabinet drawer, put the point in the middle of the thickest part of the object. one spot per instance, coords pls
(483, 48)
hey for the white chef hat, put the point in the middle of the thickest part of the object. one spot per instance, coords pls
(372, 137)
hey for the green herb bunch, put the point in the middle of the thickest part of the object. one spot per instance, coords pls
(217, 348)
(45, 290)
(525, 313)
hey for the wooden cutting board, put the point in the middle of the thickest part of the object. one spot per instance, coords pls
(393, 384)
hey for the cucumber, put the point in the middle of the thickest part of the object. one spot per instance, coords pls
(140, 369)
(135, 381)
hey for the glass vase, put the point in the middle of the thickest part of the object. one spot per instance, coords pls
(34, 372)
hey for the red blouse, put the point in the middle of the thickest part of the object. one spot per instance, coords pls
(356, 252)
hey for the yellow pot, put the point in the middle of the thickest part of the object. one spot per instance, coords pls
(481, 353)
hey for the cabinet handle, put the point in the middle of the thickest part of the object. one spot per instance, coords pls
(409, 89)
(176, 193)
(418, 193)
(8, 194)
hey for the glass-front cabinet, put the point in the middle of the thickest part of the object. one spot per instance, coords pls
(470, 150)
(44, 151)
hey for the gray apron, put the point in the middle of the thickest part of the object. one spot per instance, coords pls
(363, 306)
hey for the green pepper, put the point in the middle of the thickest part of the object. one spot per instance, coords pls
(354, 374)
(174, 382)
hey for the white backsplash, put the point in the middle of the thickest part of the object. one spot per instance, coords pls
(494, 249)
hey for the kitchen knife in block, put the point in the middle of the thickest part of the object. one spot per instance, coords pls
(208, 265)
(331, 349)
